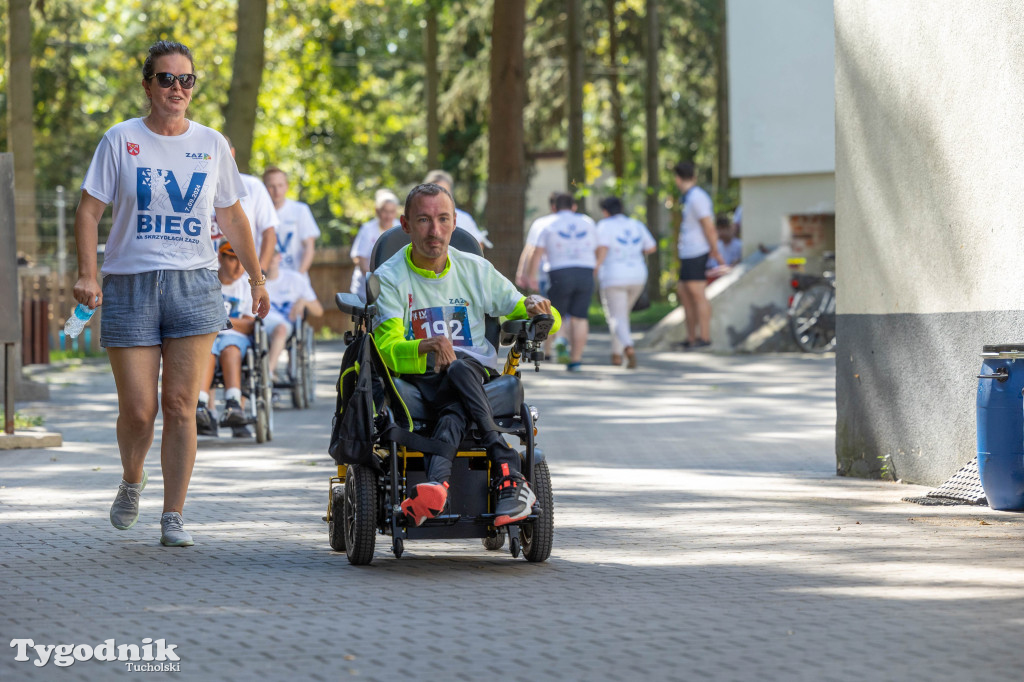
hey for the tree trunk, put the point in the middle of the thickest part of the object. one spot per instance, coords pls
(577, 168)
(506, 185)
(430, 50)
(246, 75)
(20, 124)
(618, 145)
(652, 96)
(722, 171)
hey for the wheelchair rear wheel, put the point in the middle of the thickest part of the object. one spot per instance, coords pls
(309, 365)
(359, 514)
(298, 392)
(538, 536)
(336, 526)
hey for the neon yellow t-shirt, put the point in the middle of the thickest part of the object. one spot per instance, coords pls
(415, 304)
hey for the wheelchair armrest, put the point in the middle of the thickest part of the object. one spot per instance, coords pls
(511, 329)
(534, 329)
(351, 305)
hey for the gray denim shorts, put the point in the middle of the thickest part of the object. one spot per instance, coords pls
(145, 308)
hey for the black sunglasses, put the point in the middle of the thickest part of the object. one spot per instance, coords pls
(166, 80)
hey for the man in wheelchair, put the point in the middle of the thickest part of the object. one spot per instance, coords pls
(430, 330)
(291, 296)
(229, 347)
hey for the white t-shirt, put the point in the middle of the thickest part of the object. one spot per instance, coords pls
(362, 247)
(164, 189)
(297, 225)
(626, 239)
(466, 222)
(454, 304)
(569, 241)
(287, 288)
(692, 241)
(237, 301)
(534, 234)
(258, 208)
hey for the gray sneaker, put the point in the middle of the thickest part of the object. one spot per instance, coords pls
(125, 510)
(172, 531)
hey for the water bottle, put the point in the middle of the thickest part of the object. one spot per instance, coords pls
(79, 317)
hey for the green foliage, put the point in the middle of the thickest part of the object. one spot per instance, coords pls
(22, 421)
(341, 102)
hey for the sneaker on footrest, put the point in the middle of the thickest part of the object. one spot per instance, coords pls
(515, 498)
(206, 425)
(233, 414)
(425, 502)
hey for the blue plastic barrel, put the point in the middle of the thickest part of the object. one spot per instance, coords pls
(1001, 426)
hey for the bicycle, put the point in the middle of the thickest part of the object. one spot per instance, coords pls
(812, 310)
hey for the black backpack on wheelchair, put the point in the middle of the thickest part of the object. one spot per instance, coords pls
(379, 438)
(365, 383)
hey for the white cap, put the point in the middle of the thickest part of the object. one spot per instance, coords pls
(384, 196)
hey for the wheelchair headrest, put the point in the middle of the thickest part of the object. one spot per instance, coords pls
(389, 243)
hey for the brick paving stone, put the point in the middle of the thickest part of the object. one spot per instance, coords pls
(700, 534)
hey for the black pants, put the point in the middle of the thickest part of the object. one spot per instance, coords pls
(459, 399)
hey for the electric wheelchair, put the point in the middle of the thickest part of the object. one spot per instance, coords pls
(364, 501)
(256, 384)
(300, 372)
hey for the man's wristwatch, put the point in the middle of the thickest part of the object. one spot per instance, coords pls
(258, 282)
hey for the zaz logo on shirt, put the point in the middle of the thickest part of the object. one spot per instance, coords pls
(198, 155)
(158, 190)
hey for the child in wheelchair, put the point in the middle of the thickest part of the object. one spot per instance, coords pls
(229, 349)
(291, 298)
(430, 330)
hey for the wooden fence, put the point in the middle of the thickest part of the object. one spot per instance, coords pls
(46, 302)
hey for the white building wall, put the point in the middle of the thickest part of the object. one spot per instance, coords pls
(781, 82)
(929, 168)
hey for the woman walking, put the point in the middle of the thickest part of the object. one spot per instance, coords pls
(622, 244)
(166, 176)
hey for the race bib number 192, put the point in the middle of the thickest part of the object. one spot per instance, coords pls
(450, 320)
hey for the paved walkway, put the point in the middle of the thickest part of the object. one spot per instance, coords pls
(701, 535)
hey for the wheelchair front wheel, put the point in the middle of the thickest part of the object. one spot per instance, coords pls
(262, 422)
(359, 514)
(335, 526)
(538, 536)
(495, 543)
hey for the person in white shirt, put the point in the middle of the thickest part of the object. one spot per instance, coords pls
(462, 219)
(259, 209)
(729, 246)
(291, 297)
(298, 231)
(385, 205)
(531, 241)
(697, 241)
(166, 177)
(622, 246)
(569, 241)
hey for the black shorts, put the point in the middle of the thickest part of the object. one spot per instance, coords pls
(570, 290)
(692, 269)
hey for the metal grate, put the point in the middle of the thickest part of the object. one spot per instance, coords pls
(963, 488)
